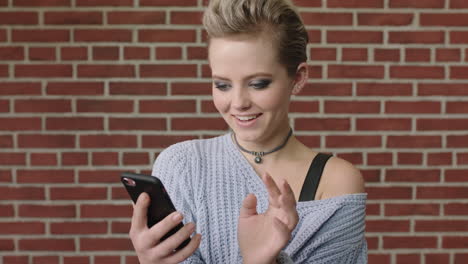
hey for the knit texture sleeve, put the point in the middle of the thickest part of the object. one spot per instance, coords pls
(172, 167)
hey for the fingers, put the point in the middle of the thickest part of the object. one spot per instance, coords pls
(187, 251)
(140, 211)
(167, 246)
(272, 189)
(167, 224)
(287, 194)
(249, 206)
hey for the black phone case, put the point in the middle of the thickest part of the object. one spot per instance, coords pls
(160, 206)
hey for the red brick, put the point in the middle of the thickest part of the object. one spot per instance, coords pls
(385, 19)
(457, 107)
(417, 72)
(434, 124)
(459, 72)
(27, 228)
(442, 192)
(179, 88)
(72, 18)
(20, 123)
(437, 258)
(446, 89)
(354, 158)
(6, 176)
(294, 107)
(74, 53)
(139, 158)
(384, 89)
(420, 141)
(354, 54)
(356, 71)
(46, 260)
(47, 211)
(6, 141)
(105, 244)
(448, 20)
(197, 53)
(380, 258)
(408, 258)
(356, 107)
(355, 3)
(46, 141)
(45, 176)
(457, 141)
(411, 209)
(327, 89)
(169, 106)
(22, 193)
(78, 193)
(454, 242)
(372, 209)
(42, 106)
(101, 176)
(347, 36)
(76, 260)
(7, 210)
(187, 17)
(42, 54)
(198, 124)
(4, 106)
(353, 141)
(108, 141)
(437, 159)
(454, 175)
(20, 88)
(168, 53)
(15, 260)
(379, 159)
(78, 228)
(94, 3)
(387, 226)
(168, 71)
(462, 158)
(106, 259)
(43, 71)
(377, 193)
(386, 54)
(165, 3)
(105, 158)
(409, 158)
(43, 159)
(132, 124)
(47, 244)
(408, 242)
(4, 71)
(456, 209)
(315, 36)
(459, 37)
(461, 258)
(417, 55)
(417, 37)
(138, 88)
(370, 175)
(18, 18)
(137, 53)
(120, 227)
(42, 3)
(447, 54)
(458, 4)
(412, 175)
(322, 124)
(379, 124)
(106, 211)
(11, 158)
(163, 141)
(417, 3)
(322, 54)
(7, 245)
(72, 158)
(103, 35)
(441, 226)
(105, 106)
(119, 193)
(75, 88)
(326, 18)
(417, 107)
(11, 53)
(165, 35)
(106, 71)
(140, 18)
(105, 53)
(40, 35)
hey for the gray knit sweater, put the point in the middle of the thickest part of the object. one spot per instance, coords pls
(207, 181)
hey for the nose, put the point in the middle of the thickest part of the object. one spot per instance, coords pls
(240, 99)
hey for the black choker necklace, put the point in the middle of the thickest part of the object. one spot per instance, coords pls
(259, 155)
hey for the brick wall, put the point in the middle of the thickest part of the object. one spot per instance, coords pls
(90, 88)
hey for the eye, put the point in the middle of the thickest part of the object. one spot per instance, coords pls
(221, 85)
(260, 84)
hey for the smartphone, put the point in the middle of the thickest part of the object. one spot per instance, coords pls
(160, 206)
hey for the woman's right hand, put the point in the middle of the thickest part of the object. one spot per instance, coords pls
(146, 241)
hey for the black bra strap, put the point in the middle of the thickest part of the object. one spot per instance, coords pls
(313, 177)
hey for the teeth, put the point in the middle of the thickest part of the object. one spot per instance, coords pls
(246, 118)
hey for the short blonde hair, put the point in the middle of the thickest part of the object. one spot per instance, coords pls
(278, 17)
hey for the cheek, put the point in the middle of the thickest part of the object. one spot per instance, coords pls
(220, 102)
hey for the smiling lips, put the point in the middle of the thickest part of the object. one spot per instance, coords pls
(246, 120)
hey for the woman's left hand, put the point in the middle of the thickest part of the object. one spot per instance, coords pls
(261, 237)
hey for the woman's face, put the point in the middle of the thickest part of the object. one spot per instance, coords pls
(251, 89)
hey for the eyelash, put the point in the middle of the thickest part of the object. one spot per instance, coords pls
(258, 85)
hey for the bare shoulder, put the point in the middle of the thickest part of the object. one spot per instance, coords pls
(340, 177)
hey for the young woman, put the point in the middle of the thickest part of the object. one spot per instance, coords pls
(257, 194)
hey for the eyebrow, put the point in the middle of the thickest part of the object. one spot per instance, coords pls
(247, 77)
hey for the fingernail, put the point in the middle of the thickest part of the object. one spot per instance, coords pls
(191, 227)
(177, 216)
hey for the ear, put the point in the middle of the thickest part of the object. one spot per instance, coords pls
(300, 79)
